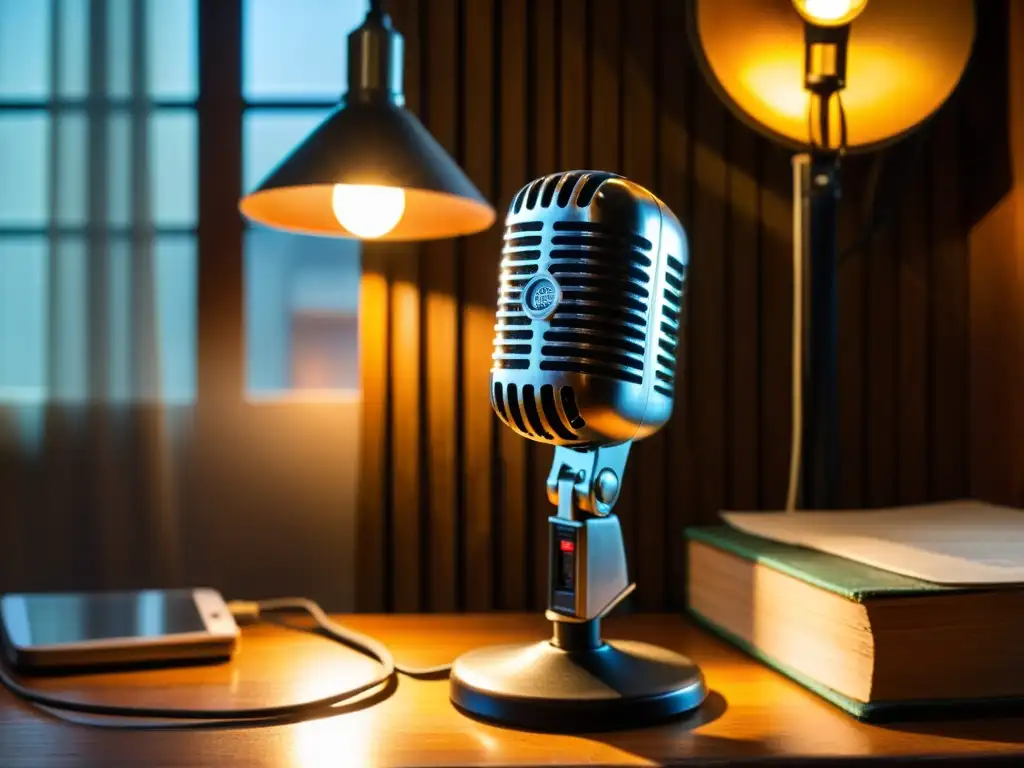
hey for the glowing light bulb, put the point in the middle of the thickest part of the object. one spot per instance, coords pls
(367, 210)
(830, 13)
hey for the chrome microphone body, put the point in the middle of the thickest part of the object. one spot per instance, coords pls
(590, 301)
(590, 304)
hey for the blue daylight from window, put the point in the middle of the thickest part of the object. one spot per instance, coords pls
(99, 201)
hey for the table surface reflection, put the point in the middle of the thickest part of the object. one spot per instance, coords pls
(753, 714)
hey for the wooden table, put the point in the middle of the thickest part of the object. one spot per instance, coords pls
(753, 715)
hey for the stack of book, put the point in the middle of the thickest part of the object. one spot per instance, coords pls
(878, 644)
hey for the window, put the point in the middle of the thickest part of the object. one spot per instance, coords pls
(98, 200)
(301, 292)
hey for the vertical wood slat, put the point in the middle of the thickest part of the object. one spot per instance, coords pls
(708, 301)
(479, 270)
(993, 123)
(572, 66)
(913, 396)
(643, 519)
(776, 290)
(606, 113)
(948, 313)
(512, 128)
(440, 329)
(1015, 68)
(850, 357)
(742, 348)
(374, 454)
(676, 71)
(404, 534)
(881, 333)
(543, 107)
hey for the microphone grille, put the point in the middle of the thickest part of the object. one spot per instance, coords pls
(668, 333)
(602, 278)
(518, 408)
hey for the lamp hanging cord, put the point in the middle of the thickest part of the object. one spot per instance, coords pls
(365, 644)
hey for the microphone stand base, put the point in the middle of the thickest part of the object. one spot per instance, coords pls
(540, 686)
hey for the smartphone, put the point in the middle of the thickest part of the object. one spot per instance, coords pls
(93, 631)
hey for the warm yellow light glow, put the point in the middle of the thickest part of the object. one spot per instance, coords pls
(905, 58)
(830, 13)
(368, 211)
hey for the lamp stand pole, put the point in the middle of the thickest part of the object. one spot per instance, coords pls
(816, 193)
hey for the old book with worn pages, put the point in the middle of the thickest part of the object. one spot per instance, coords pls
(879, 644)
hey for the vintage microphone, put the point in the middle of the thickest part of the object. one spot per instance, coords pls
(590, 303)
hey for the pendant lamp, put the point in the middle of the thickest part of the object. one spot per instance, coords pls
(370, 170)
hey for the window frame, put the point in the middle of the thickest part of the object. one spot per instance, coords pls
(96, 106)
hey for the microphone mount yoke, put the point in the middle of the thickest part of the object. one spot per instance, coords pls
(575, 680)
(587, 575)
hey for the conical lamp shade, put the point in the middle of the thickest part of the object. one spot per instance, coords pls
(370, 144)
(905, 58)
(370, 141)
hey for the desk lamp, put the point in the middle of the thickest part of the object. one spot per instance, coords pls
(370, 170)
(827, 77)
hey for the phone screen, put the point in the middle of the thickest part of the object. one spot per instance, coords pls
(55, 619)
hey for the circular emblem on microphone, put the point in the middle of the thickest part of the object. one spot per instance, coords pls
(541, 296)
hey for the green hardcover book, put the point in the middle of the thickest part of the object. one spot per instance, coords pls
(880, 645)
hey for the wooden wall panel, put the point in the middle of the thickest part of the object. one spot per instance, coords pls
(775, 325)
(851, 357)
(453, 504)
(676, 73)
(949, 312)
(479, 289)
(914, 441)
(996, 266)
(440, 324)
(638, 162)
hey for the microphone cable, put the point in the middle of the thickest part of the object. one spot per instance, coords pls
(246, 612)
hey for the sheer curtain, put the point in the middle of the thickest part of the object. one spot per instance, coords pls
(152, 433)
(97, 288)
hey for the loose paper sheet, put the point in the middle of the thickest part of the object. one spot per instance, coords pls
(955, 543)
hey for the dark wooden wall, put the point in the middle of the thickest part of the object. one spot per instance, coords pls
(452, 511)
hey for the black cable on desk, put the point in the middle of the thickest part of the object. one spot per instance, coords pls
(177, 718)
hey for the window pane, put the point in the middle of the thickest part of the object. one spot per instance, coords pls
(74, 47)
(174, 277)
(172, 49)
(72, 159)
(297, 50)
(24, 49)
(23, 321)
(172, 167)
(119, 48)
(119, 320)
(119, 168)
(302, 296)
(24, 182)
(270, 134)
(68, 342)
